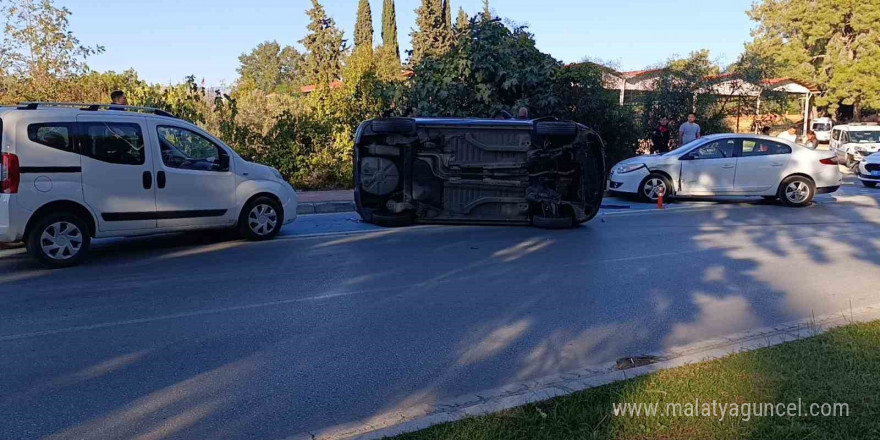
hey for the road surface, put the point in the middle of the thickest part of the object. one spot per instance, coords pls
(337, 322)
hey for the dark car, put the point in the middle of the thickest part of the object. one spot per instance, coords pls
(543, 172)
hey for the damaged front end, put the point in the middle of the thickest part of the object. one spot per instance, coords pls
(478, 171)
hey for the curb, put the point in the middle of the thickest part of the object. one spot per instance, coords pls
(324, 207)
(418, 417)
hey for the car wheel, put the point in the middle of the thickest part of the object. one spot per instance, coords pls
(797, 191)
(869, 184)
(59, 240)
(539, 221)
(649, 189)
(390, 220)
(261, 219)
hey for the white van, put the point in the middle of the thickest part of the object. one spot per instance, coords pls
(822, 128)
(853, 142)
(71, 172)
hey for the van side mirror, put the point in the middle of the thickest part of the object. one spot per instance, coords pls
(223, 161)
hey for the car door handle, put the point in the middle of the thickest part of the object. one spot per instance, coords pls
(776, 164)
(147, 179)
(160, 179)
(727, 166)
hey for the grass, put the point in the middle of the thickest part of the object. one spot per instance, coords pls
(841, 366)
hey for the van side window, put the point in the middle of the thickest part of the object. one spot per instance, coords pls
(54, 135)
(835, 134)
(188, 150)
(114, 142)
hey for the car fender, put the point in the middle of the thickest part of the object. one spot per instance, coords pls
(249, 188)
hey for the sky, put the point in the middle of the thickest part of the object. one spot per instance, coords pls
(166, 40)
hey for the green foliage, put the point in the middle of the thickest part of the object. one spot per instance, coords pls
(363, 28)
(834, 44)
(433, 38)
(462, 21)
(389, 31)
(325, 47)
(490, 67)
(270, 68)
(447, 15)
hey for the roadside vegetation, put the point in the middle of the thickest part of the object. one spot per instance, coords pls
(841, 366)
(296, 106)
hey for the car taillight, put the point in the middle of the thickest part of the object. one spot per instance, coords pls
(10, 174)
(828, 161)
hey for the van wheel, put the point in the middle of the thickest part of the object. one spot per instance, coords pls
(797, 191)
(261, 219)
(59, 240)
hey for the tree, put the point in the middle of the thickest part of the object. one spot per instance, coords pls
(462, 21)
(489, 68)
(447, 15)
(432, 38)
(39, 50)
(270, 68)
(389, 29)
(325, 46)
(834, 44)
(363, 28)
(487, 12)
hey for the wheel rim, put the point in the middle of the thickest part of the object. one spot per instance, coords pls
(61, 240)
(262, 219)
(652, 188)
(797, 192)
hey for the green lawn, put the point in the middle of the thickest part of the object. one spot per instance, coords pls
(841, 366)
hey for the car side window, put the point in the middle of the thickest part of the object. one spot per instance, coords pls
(835, 134)
(760, 147)
(54, 135)
(188, 150)
(113, 142)
(719, 149)
(844, 137)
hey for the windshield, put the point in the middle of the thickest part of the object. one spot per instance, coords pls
(681, 149)
(864, 137)
(821, 126)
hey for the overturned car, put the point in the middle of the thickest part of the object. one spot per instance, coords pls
(544, 172)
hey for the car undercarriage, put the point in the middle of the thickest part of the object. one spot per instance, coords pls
(547, 173)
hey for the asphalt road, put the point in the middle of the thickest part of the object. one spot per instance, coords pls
(336, 321)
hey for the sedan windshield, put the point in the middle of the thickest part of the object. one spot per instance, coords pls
(864, 137)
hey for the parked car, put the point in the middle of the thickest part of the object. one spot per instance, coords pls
(822, 128)
(71, 172)
(546, 173)
(731, 164)
(851, 143)
(869, 170)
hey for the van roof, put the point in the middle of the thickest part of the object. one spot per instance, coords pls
(859, 126)
(80, 108)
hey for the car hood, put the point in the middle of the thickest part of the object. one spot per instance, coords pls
(648, 160)
(873, 158)
(255, 171)
(869, 147)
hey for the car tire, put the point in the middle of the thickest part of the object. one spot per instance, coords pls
(797, 191)
(654, 180)
(542, 222)
(869, 184)
(261, 219)
(391, 220)
(394, 126)
(59, 240)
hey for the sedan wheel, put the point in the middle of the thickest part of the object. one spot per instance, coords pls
(797, 191)
(652, 186)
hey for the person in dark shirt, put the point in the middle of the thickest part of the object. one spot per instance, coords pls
(660, 137)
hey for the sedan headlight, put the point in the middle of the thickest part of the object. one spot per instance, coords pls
(628, 168)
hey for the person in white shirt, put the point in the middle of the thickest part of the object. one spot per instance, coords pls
(790, 135)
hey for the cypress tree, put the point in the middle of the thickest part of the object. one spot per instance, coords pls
(487, 12)
(432, 38)
(389, 29)
(463, 20)
(363, 28)
(447, 14)
(325, 46)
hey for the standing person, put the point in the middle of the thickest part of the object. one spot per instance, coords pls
(660, 136)
(689, 131)
(765, 131)
(118, 98)
(790, 135)
(812, 140)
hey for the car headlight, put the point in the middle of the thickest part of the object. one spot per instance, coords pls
(860, 149)
(628, 168)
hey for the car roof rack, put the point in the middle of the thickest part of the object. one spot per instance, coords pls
(95, 107)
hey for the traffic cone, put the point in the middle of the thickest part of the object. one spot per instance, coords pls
(660, 198)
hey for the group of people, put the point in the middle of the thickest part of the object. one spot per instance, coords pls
(691, 131)
(662, 134)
